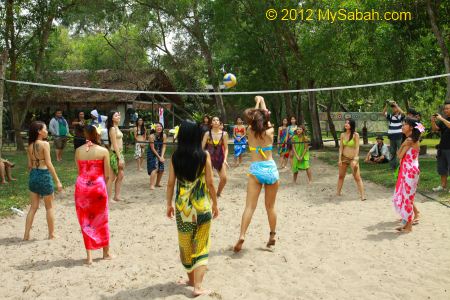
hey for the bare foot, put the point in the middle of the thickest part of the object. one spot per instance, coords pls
(363, 198)
(108, 257)
(272, 240)
(159, 185)
(2, 182)
(26, 237)
(200, 292)
(12, 179)
(185, 282)
(117, 199)
(88, 261)
(152, 187)
(52, 237)
(238, 246)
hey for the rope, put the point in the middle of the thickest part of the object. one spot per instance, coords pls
(228, 93)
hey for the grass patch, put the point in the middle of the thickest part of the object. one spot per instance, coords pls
(16, 193)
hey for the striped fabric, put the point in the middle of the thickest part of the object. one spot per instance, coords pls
(395, 126)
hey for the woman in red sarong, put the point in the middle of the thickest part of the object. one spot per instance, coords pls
(91, 197)
(408, 174)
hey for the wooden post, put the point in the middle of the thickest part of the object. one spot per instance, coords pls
(3, 62)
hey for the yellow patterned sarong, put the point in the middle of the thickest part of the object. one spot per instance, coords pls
(193, 215)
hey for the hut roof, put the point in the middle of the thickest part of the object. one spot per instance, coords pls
(106, 79)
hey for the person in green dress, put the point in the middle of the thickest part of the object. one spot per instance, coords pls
(300, 147)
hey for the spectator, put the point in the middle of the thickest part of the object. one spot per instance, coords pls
(79, 124)
(5, 171)
(379, 153)
(395, 130)
(442, 124)
(98, 120)
(59, 129)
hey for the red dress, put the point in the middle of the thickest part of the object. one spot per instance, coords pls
(407, 181)
(91, 202)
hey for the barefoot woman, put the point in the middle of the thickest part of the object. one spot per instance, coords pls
(140, 135)
(349, 156)
(216, 143)
(91, 197)
(195, 202)
(263, 170)
(41, 173)
(408, 174)
(117, 161)
(155, 155)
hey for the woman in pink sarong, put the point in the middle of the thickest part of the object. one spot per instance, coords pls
(91, 197)
(408, 174)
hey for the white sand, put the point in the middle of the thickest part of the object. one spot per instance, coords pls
(327, 248)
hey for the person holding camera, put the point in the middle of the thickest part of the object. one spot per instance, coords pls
(395, 130)
(442, 124)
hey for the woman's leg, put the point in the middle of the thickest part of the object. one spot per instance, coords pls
(253, 190)
(153, 176)
(309, 174)
(295, 176)
(106, 253)
(8, 173)
(48, 201)
(222, 179)
(118, 184)
(199, 273)
(416, 215)
(342, 171)
(159, 175)
(30, 216)
(240, 158)
(270, 196)
(88, 257)
(357, 176)
(112, 179)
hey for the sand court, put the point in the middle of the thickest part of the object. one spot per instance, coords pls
(327, 247)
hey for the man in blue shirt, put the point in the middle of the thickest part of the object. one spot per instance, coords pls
(395, 130)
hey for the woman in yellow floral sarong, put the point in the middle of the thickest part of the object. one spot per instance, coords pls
(195, 202)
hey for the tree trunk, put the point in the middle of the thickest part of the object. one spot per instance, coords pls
(431, 10)
(316, 141)
(330, 120)
(3, 62)
(300, 114)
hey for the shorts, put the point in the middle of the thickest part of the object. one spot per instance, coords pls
(265, 171)
(40, 182)
(385, 160)
(443, 162)
(60, 142)
(346, 160)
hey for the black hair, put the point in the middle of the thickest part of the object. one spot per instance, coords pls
(91, 134)
(142, 127)
(33, 132)
(153, 131)
(258, 119)
(110, 123)
(415, 136)
(189, 158)
(352, 124)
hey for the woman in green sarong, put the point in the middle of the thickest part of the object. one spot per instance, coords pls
(300, 147)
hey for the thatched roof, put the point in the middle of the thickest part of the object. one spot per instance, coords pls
(106, 79)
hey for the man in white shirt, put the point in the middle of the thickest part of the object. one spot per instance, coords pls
(379, 153)
(99, 120)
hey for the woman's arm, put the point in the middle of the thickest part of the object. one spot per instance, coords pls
(279, 135)
(50, 167)
(341, 148)
(305, 149)
(152, 145)
(163, 150)
(225, 145)
(135, 133)
(205, 138)
(210, 184)
(356, 137)
(404, 147)
(106, 165)
(30, 163)
(169, 192)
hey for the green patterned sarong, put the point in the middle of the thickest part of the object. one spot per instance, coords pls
(114, 161)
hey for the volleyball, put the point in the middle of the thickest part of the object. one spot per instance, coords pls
(229, 80)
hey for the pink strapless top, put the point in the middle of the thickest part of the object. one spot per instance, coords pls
(90, 169)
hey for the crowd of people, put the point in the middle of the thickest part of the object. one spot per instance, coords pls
(203, 148)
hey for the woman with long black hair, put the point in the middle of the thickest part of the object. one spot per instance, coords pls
(155, 155)
(117, 160)
(349, 156)
(41, 173)
(195, 202)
